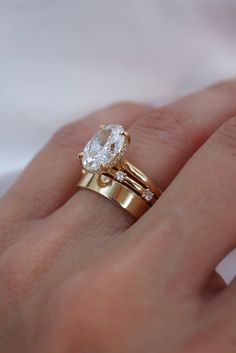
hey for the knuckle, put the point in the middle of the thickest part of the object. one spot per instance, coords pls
(170, 127)
(226, 86)
(18, 274)
(76, 134)
(71, 136)
(72, 306)
(165, 232)
(124, 108)
(225, 137)
(13, 285)
(121, 106)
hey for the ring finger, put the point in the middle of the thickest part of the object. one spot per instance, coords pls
(162, 142)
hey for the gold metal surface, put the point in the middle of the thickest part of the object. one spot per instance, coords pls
(135, 179)
(141, 177)
(116, 192)
(130, 192)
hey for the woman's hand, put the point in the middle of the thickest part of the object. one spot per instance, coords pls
(78, 275)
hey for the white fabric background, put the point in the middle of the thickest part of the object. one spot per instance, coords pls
(61, 59)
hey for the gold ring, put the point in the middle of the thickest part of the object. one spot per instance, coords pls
(108, 173)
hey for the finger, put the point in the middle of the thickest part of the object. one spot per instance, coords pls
(198, 209)
(164, 139)
(228, 298)
(215, 285)
(52, 176)
(161, 143)
(224, 309)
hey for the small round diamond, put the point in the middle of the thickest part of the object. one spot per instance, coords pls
(148, 195)
(104, 148)
(120, 176)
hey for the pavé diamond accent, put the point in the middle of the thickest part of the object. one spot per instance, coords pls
(148, 195)
(120, 176)
(104, 148)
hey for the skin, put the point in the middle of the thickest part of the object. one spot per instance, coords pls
(78, 275)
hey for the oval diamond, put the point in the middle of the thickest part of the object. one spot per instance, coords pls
(104, 148)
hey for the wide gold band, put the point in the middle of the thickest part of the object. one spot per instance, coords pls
(116, 192)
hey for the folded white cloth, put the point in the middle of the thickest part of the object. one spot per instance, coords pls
(63, 58)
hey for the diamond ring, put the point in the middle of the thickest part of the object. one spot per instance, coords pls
(107, 172)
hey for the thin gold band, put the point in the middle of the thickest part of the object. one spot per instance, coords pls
(135, 179)
(116, 192)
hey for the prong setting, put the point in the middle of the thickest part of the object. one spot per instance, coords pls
(103, 169)
(148, 195)
(80, 156)
(127, 136)
(120, 176)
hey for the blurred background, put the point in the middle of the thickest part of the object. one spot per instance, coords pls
(61, 59)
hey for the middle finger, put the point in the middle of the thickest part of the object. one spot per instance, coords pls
(196, 215)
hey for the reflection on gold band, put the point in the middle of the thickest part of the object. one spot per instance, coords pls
(135, 180)
(116, 192)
